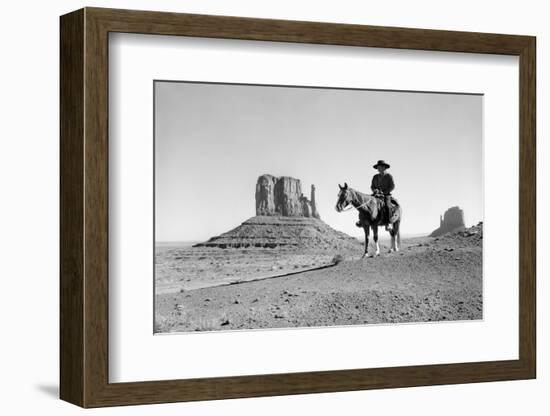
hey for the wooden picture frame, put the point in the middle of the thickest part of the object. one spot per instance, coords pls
(84, 207)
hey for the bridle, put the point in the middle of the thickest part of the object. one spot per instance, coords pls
(351, 206)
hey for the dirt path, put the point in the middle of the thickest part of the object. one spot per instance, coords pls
(196, 268)
(432, 281)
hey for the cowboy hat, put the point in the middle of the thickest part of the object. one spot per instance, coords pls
(381, 163)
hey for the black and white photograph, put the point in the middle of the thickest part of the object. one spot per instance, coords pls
(268, 208)
(280, 206)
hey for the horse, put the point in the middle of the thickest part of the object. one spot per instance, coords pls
(370, 216)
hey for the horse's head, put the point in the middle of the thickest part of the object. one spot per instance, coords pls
(344, 197)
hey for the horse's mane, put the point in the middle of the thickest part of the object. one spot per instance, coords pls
(364, 197)
(371, 202)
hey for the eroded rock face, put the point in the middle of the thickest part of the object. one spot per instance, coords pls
(282, 196)
(288, 192)
(265, 195)
(452, 220)
(314, 212)
(305, 206)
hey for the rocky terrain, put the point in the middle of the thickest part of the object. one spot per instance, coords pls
(431, 279)
(284, 232)
(185, 268)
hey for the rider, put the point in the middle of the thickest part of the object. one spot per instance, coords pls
(382, 183)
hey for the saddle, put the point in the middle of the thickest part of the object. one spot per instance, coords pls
(388, 216)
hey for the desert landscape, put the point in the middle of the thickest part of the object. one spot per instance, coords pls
(286, 268)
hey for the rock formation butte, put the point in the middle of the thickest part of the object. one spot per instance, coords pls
(284, 218)
(451, 221)
(283, 197)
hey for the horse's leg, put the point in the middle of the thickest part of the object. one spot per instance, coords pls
(397, 235)
(392, 233)
(366, 229)
(375, 238)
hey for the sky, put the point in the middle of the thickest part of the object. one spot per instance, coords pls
(212, 141)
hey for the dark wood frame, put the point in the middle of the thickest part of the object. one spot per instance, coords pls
(84, 208)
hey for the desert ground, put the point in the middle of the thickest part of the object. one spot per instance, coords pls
(211, 289)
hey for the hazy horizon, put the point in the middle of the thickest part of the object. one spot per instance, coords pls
(382, 236)
(212, 141)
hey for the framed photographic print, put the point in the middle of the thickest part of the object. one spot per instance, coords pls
(255, 207)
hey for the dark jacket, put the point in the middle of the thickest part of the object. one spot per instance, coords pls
(382, 182)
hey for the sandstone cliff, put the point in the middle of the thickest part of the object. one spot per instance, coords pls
(452, 220)
(314, 212)
(265, 195)
(282, 196)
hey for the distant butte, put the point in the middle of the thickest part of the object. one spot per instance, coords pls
(451, 221)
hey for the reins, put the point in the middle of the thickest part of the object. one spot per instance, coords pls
(351, 206)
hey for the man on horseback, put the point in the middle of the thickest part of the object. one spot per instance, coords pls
(382, 186)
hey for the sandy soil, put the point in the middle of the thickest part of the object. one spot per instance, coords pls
(188, 268)
(429, 280)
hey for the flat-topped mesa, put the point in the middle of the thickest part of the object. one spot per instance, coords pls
(282, 196)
